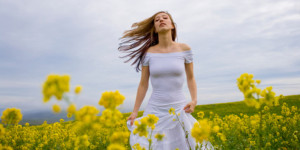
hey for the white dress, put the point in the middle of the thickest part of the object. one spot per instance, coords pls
(167, 73)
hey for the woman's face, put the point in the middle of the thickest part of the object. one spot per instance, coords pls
(162, 22)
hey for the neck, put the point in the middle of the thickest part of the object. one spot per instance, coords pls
(165, 39)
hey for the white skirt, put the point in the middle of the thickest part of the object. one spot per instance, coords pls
(174, 134)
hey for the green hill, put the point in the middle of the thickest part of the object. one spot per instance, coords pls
(223, 109)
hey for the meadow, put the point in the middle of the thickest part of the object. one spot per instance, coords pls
(260, 121)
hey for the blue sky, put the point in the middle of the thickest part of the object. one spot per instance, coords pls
(81, 38)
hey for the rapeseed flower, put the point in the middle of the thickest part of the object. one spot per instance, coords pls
(56, 108)
(110, 100)
(116, 147)
(87, 114)
(151, 120)
(55, 85)
(201, 130)
(78, 89)
(119, 137)
(141, 128)
(200, 114)
(137, 146)
(172, 111)
(11, 116)
(2, 130)
(71, 109)
(159, 136)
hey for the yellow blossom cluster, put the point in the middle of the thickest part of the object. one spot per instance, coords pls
(109, 117)
(11, 116)
(78, 89)
(201, 130)
(254, 96)
(56, 108)
(120, 137)
(110, 100)
(87, 114)
(159, 136)
(142, 128)
(137, 146)
(55, 85)
(71, 110)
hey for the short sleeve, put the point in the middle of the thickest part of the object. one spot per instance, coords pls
(145, 62)
(188, 57)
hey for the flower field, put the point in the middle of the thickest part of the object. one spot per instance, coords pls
(261, 121)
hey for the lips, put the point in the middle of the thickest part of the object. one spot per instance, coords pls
(162, 24)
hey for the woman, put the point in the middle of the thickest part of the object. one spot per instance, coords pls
(165, 62)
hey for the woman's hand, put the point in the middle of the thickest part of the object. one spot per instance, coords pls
(189, 108)
(132, 116)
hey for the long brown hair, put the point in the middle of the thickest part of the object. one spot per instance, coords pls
(143, 34)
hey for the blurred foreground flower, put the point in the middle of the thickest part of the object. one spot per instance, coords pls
(111, 99)
(56, 108)
(11, 116)
(253, 96)
(146, 122)
(55, 85)
(201, 130)
(78, 89)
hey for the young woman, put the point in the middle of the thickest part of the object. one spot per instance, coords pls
(165, 62)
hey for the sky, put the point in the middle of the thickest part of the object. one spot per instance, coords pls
(81, 39)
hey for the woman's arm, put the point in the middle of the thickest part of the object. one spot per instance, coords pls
(141, 92)
(192, 87)
(142, 89)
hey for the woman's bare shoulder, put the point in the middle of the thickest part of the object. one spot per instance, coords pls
(151, 49)
(184, 46)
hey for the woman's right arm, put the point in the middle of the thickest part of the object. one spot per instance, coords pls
(141, 92)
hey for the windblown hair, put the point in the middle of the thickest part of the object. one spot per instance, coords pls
(142, 35)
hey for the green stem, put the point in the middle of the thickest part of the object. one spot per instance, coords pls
(186, 132)
(150, 141)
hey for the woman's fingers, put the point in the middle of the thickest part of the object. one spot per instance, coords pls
(131, 123)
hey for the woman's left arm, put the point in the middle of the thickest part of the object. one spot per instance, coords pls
(189, 108)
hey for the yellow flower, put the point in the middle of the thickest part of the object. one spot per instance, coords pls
(82, 141)
(61, 120)
(56, 108)
(2, 130)
(141, 128)
(71, 109)
(137, 146)
(216, 129)
(110, 100)
(69, 115)
(201, 130)
(109, 117)
(11, 116)
(284, 129)
(159, 137)
(172, 111)
(200, 114)
(4, 147)
(87, 114)
(115, 147)
(119, 137)
(151, 120)
(78, 89)
(257, 81)
(55, 85)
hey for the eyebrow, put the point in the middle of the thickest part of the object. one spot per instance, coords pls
(158, 16)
